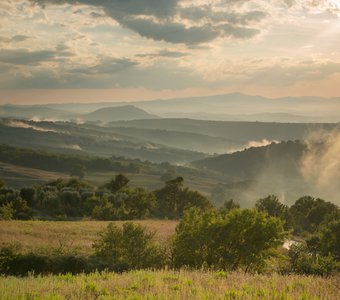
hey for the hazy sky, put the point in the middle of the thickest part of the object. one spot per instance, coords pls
(68, 50)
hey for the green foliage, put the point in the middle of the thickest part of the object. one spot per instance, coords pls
(173, 199)
(29, 195)
(61, 162)
(330, 238)
(117, 184)
(308, 213)
(6, 211)
(130, 247)
(13, 262)
(139, 203)
(240, 239)
(303, 261)
(274, 208)
(229, 205)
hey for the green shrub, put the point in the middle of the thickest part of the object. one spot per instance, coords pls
(303, 261)
(240, 239)
(129, 247)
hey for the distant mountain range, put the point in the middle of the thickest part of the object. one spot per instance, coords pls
(228, 107)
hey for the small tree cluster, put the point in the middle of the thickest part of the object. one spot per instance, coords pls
(243, 239)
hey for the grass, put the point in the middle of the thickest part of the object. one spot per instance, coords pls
(170, 285)
(148, 284)
(18, 177)
(68, 235)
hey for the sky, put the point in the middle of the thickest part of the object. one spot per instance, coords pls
(113, 50)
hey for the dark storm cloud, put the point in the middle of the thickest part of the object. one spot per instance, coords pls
(164, 20)
(120, 8)
(26, 57)
(172, 32)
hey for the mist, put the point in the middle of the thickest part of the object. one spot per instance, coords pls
(320, 164)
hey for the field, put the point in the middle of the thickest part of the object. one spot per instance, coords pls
(40, 236)
(17, 177)
(169, 285)
(68, 235)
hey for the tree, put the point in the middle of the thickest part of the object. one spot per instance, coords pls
(243, 239)
(139, 203)
(308, 213)
(118, 183)
(6, 211)
(229, 205)
(173, 199)
(304, 261)
(328, 239)
(274, 208)
(129, 247)
(28, 194)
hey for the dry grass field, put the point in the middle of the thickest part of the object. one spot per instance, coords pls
(170, 285)
(148, 284)
(69, 235)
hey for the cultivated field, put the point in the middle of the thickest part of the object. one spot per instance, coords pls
(68, 235)
(170, 285)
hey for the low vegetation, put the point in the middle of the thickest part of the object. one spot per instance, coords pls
(216, 243)
(166, 284)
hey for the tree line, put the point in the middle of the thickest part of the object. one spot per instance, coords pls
(115, 200)
(224, 238)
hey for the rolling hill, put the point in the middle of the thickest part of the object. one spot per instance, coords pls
(109, 114)
(248, 164)
(88, 139)
(239, 132)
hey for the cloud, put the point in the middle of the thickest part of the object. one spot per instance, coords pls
(106, 66)
(164, 53)
(14, 39)
(26, 57)
(172, 32)
(170, 21)
(106, 73)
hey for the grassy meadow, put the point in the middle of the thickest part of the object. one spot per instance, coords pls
(42, 236)
(69, 235)
(169, 285)
(18, 177)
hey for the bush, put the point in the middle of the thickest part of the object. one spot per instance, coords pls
(303, 261)
(241, 239)
(129, 247)
(12, 262)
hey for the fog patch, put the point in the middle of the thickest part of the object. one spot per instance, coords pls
(320, 164)
(253, 144)
(73, 147)
(262, 143)
(20, 124)
(42, 119)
